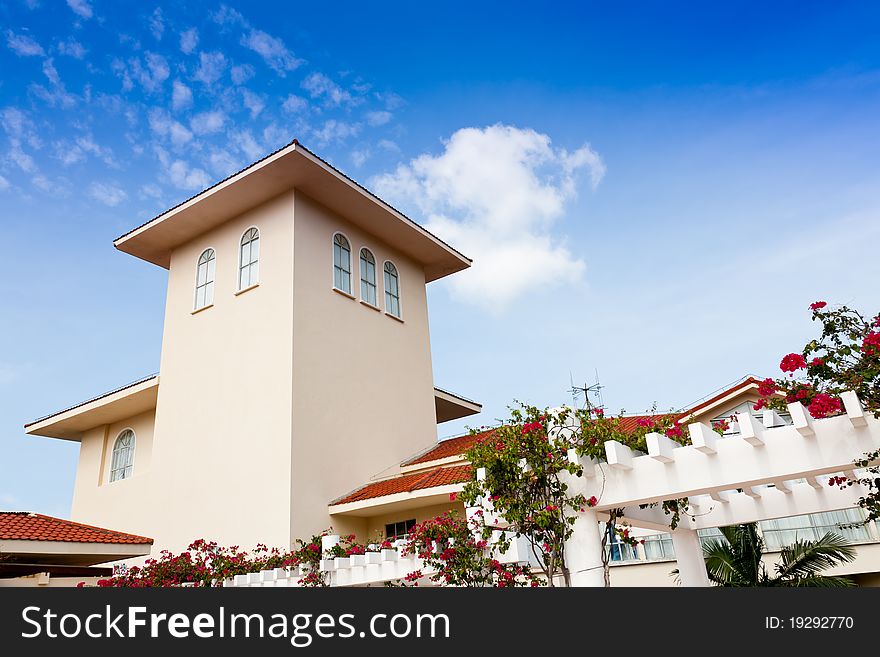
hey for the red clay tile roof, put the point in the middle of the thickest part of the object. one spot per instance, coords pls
(745, 383)
(449, 447)
(23, 526)
(409, 482)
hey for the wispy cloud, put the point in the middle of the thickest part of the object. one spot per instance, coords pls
(335, 131)
(81, 8)
(209, 122)
(107, 193)
(495, 193)
(294, 104)
(211, 67)
(4, 184)
(157, 24)
(23, 45)
(255, 103)
(72, 48)
(378, 118)
(323, 88)
(189, 40)
(272, 50)
(242, 73)
(181, 96)
(163, 125)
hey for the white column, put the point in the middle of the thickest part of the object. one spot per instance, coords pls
(583, 551)
(689, 554)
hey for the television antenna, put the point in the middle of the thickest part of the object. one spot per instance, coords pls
(591, 393)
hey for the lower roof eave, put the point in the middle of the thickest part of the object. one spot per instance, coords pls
(377, 506)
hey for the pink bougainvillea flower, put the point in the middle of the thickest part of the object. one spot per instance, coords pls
(767, 387)
(792, 363)
(817, 305)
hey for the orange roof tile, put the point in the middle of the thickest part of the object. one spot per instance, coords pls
(23, 526)
(409, 482)
(449, 447)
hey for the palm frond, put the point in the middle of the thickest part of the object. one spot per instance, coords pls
(806, 559)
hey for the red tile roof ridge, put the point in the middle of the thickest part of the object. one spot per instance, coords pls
(27, 526)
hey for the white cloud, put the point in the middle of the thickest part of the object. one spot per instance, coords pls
(211, 67)
(388, 145)
(72, 48)
(157, 24)
(184, 176)
(494, 194)
(253, 102)
(59, 187)
(272, 50)
(228, 16)
(189, 40)
(181, 95)
(150, 190)
(294, 103)
(151, 73)
(23, 45)
(320, 86)
(242, 73)
(108, 194)
(245, 141)
(360, 156)
(72, 153)
(51, 72)
(80, 8)
(378, 118)
(164, 126)
(335, 131)
(180, 174)
(4, 185)
(207, 122)
(222, 163)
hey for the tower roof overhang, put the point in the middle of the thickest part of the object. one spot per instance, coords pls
(291, 167)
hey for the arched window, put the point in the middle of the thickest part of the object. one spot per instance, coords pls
(341, 263)
(392, 290)
(205, 279)
(123, 456)
(368, 277)
(249, 259)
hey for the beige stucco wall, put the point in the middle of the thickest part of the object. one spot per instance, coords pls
(363, 392)
(223, 429)
(120, 504)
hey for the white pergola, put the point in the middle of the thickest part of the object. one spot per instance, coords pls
(757, 471)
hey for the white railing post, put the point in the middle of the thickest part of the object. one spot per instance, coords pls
(689, 554)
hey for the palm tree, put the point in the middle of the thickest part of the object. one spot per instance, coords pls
(736, 560)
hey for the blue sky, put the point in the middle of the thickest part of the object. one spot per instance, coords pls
(655, 192)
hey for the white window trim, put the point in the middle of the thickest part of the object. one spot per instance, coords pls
(196, 280)
(133, 453)
(351, 273)
(376, 268)
(240, 289)
(398, 317)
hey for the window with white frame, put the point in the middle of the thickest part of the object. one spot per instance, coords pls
(392, 290)
(249, 259)
(849, 523)
(205, 279)
(368, 277)
(341, 263)
(122, 460)
(399, 530)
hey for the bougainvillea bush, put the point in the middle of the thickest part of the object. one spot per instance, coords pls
(527, 466)
(448, 547)
(205, 563)
(845, 356)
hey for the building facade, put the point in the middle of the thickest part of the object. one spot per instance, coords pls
(295, 335)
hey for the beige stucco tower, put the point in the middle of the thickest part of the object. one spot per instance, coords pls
(280, 388)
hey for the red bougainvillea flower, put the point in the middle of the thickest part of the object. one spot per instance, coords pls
(824, 405)
(817, 305)
(452, 496)
(871, 345)
(761, 403)
(674, 432)
(645, 422)
(817, 362)
(530, 427)
(767, 387)
(792, 363)
(592, 501)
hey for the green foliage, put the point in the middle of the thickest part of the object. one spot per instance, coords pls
(735, 560)
(845, 356)
(527, 470)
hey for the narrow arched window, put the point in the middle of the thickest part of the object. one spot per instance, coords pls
(249, 259)
(205, 279)
(341, 263)
(123, 456)
(368, 277)
(392, 290)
